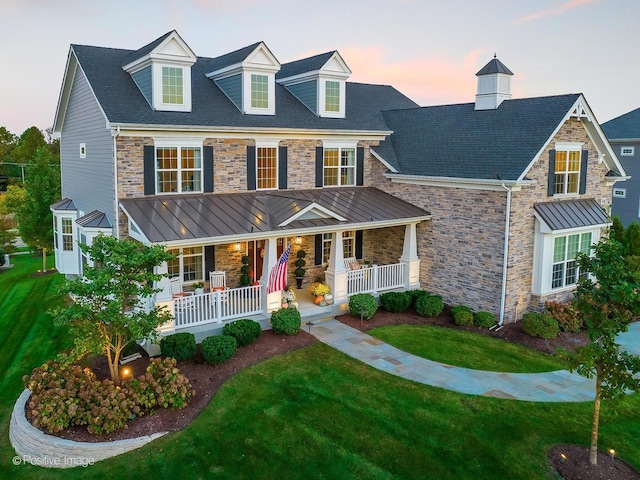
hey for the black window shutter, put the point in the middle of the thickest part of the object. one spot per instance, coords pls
(318, 249)
(583, 171)
(359, 244)
(251, 168)
(149, 166)
(209, 260)
(282, 168)
(360, 167)
(552, 173)
(319, 167)
(207, 164)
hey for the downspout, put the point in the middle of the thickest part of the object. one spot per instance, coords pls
(116, 218)
(505, 257)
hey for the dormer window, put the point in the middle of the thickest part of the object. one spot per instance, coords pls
(162, 72)
(259, 91)
(332, 96)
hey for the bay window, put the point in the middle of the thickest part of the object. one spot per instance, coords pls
(565, 271)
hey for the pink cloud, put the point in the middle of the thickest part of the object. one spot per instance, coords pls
(429, 79)
(554, 11)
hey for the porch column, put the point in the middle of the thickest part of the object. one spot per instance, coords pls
(336, 275)
(163, 299)
(410, 257)
(272, 300)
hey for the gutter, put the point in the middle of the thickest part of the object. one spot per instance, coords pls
(116, 220)
(505, 257)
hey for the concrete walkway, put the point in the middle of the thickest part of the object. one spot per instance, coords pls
(558, 386)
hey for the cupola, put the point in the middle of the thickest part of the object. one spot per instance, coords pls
(494, 85)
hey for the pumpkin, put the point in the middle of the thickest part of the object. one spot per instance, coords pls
(319, 298)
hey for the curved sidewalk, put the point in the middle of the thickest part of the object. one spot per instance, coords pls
(558, 386)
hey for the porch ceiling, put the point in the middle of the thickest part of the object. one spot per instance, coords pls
(229, 217)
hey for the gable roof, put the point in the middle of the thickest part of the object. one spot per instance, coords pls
(141, 52)
(229, 217)
(304, 65)
(625, 126)
(124, 105)
(458, 141)
(231, 58)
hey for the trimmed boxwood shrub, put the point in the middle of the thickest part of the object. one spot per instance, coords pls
(396, 302)
(429, 305)
(484, 319)
(363, 302)
(540, 325)
(463, 317)
(245, 331)
(415, 295)
(286, 321)
(460, 308)
(180, 346)
(218, 348)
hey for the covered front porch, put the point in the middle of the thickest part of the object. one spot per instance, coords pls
(357, 240)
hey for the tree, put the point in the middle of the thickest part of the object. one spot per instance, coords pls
(606, 303)
(31, 204)
(616, 231)
(108, 312)
(632, 239)
(28, 144)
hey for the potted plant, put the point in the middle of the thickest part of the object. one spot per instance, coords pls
(319, 290)
(300, 270)
(198, 287)
(245, 270)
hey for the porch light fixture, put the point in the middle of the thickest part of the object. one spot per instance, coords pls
(237, 247)
(298, 240)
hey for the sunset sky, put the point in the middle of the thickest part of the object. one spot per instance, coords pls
(429, 50)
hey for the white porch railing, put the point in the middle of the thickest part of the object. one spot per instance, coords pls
(375, 278)
(216, 306)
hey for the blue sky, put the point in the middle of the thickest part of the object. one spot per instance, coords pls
(429, 50)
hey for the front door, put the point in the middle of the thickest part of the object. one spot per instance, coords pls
(255, 251)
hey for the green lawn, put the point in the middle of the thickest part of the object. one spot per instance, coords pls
(466, 349)
(316, 413)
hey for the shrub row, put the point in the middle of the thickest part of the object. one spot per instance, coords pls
(68, 395)
(463, 315)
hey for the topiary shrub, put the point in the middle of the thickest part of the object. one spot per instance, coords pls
(286, 321)
(180, 346)
(484, 319)
(218, 348)
(429, 305)
(395, 301)
(541, 325)
(463, 317)
(245, 331)
(566, 315)
(363, 303)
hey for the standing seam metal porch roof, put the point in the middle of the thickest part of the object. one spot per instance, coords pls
(172, 218)
(571, 214)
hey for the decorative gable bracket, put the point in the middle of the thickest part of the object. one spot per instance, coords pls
(312, 211)
(581, 111)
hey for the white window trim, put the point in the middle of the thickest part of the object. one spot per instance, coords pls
(570, 147)
(543, 257)
(179, 144)
(627, 154)
(271, 92)
(83, 150)
(180, 259)
(322, 97)
(157, 88)
(619, 193)
(340, 145)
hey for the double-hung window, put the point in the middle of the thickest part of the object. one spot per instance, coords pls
(172, 86)
(266, 168)
(188, 264)
(348, 245)
(339, 166)
(565, 271)
(259, 91)
(567, 172)
(67, 234)
(178, 169)
(332, 96)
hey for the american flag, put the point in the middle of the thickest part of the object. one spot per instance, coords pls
(278, 275)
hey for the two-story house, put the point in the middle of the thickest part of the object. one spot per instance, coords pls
(485, 203)
(623, 133)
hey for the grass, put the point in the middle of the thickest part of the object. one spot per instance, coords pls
(466, 349)
(316, 413)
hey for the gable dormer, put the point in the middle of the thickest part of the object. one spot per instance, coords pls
(162, 72)
(319, 82)
(248, 77)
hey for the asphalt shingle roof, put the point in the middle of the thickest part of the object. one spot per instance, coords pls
(310, 64)
(494, 66)
(624, 126)
(458, 141)
(123, 102)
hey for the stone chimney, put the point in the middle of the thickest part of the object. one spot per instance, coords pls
(494, 85)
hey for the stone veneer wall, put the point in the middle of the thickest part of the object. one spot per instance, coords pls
(522, 221)
(35, 447)
(388, 243)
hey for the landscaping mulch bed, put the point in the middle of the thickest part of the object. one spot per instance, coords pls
(207, 379)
